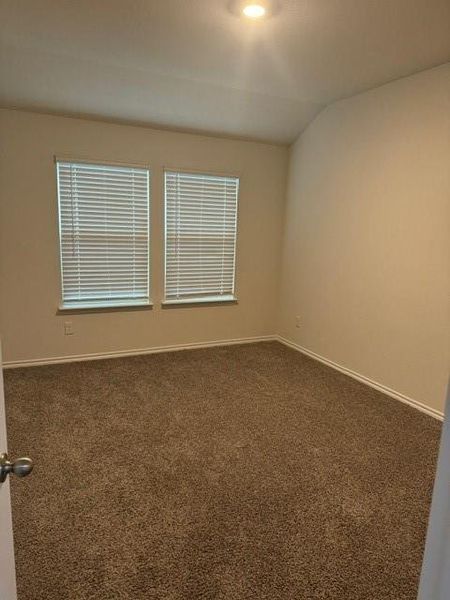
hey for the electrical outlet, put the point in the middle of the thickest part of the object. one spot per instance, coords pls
(68, 328)
(297, 321)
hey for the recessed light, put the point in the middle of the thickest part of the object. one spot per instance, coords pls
(254, 11)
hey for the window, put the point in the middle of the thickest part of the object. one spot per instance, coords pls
(104, 234)
(201, 217)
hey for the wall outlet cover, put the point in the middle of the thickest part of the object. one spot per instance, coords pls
(68, 328)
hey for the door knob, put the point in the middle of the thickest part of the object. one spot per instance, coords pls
(20, 467)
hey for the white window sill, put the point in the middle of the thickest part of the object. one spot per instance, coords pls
(206, 300)
(105, 305)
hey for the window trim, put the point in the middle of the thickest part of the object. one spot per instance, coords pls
(78, 310)
(120, 304)
(226, 299)
(213, 300)
(89, 160)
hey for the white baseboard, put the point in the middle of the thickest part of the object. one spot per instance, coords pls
(16, 364)
(228, 342)
(363, 379)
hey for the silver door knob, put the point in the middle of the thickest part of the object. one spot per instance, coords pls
(20, 467)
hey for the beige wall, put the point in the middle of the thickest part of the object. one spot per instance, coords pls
(366, 244)
(29, 267)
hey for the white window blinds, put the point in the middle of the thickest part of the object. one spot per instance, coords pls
(201, 219)
(104, 234)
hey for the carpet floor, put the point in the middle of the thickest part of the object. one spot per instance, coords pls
(233, 473)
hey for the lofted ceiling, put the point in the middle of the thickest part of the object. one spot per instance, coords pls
(193, 65)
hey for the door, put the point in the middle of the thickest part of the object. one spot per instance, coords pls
(21, 468)
(435, 580)
(7, 572)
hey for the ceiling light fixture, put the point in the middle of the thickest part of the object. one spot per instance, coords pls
(254, 11)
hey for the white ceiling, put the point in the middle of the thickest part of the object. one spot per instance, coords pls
(193, 65)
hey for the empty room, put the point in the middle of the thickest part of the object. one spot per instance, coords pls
(224, 299)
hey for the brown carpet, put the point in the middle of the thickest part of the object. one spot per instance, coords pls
(236, 473)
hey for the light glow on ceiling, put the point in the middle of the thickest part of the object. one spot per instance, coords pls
(254, 11)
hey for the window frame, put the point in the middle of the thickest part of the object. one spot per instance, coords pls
(103, 305)
(215, 300)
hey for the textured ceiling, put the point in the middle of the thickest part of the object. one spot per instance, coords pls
(193, 65)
